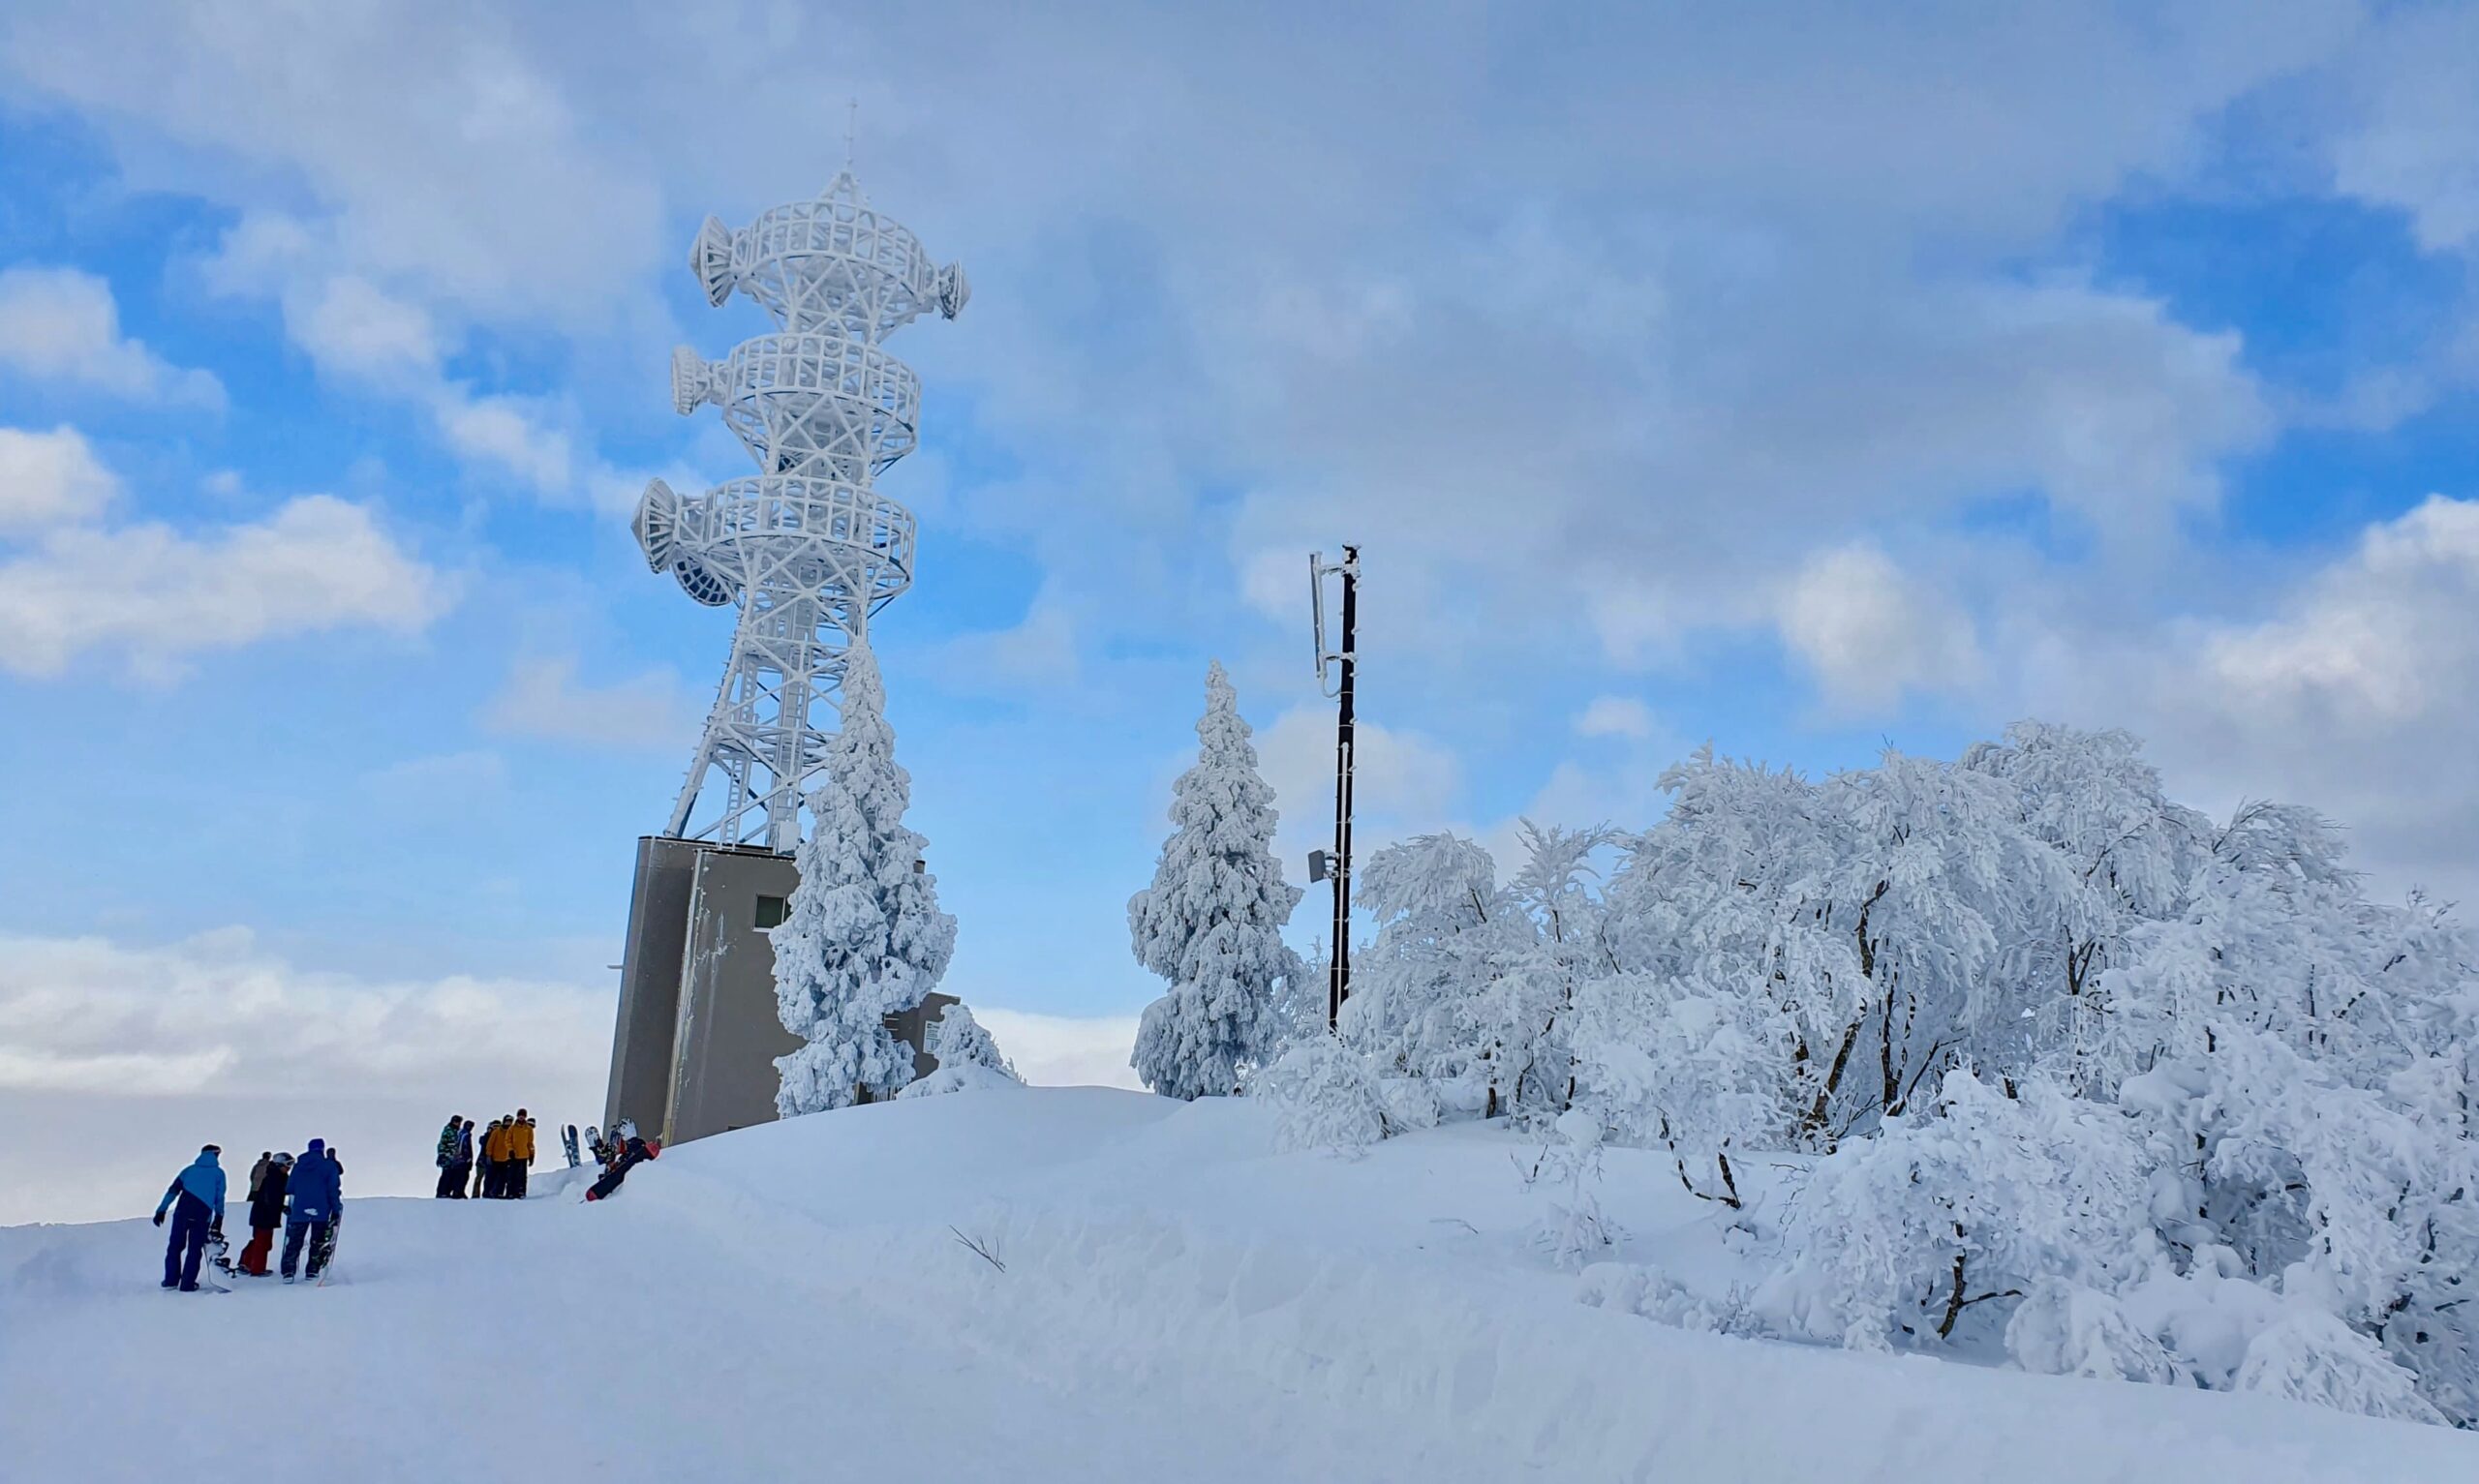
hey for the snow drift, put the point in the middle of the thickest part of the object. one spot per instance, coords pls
(1039, 1284)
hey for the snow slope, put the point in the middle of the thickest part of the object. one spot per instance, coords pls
(1178, 1301)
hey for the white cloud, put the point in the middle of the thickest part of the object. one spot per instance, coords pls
(215, 1038)
(155, 596)
(50, 479)
(1064, 1050)
(62, 324)
(1870, 634)
(1615, 717)
(349, 325)
(1402, 783)
(543, 700)
(1037, 650)
(2357, 692)
(2386, 636)
(2412, 143)
(389, 342)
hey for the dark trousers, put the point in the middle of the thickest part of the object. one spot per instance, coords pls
(451, 1183)
(516, 1179)
(297, 1232)
(481, 1175)
(187, 1246)
(494, 1175)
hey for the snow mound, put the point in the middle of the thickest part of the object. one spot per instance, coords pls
(1045, 1284)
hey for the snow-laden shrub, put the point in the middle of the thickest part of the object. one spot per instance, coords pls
(1325, 1095)
(1641, 1289)
(1472, 986)
(968, 1058)
(1576, 1232)
(1975, 1199)
(1678, 1065)
(2065, 1328)
(2311, 1356)
(963, 1076)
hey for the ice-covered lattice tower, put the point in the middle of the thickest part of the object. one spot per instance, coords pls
(807, 547)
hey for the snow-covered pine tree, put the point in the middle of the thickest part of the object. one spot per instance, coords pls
(1212, 922)
(863, 937)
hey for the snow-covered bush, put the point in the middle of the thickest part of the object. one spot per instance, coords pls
(1977, 1197)
(968, 1058)
(861, 937)
(2065, 1328)
(1325, 1096)
(1472, 986)
(1211, 922)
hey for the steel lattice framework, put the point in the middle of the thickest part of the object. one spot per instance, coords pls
(808, 547)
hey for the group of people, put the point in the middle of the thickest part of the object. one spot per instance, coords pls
(305, 1196)
(493, 1162)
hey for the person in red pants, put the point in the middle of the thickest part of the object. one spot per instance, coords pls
(267, 1213)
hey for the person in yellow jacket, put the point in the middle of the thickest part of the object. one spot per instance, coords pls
(495, 1160)
(520, 1153)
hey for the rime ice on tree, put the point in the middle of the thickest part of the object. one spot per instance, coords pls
(1212, 922)
(863, 939)
(808, 547)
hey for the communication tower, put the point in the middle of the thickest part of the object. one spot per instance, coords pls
(806, 548)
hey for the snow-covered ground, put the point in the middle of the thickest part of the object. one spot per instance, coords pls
(1178, 1301)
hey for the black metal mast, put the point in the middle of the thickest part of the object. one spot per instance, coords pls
(1339, 982)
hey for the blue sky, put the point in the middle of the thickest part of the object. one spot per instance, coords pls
(1804, 381)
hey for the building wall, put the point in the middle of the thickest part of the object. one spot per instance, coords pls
(729, 1033)
(694, 1050)
(642, 1044)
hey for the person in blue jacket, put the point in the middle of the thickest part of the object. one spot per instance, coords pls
(313, 1193)
(198, 1192)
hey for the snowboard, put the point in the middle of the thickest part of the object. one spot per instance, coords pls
(326, 1250)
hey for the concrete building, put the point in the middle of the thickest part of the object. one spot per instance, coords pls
(694, 1050)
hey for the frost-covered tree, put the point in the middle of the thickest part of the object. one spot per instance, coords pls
(862, 938)
(2109, 1003)
(1211, 922)
(968, 1058)
(1967, 1199)
(962, 1041)
(1472, 985)
(1444, 929)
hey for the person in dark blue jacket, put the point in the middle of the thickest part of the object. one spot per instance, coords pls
(199, 1191)
(314, 1192)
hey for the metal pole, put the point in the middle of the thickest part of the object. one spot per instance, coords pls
(1340, 987)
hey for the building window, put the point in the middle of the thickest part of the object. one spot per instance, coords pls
(771, 912)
